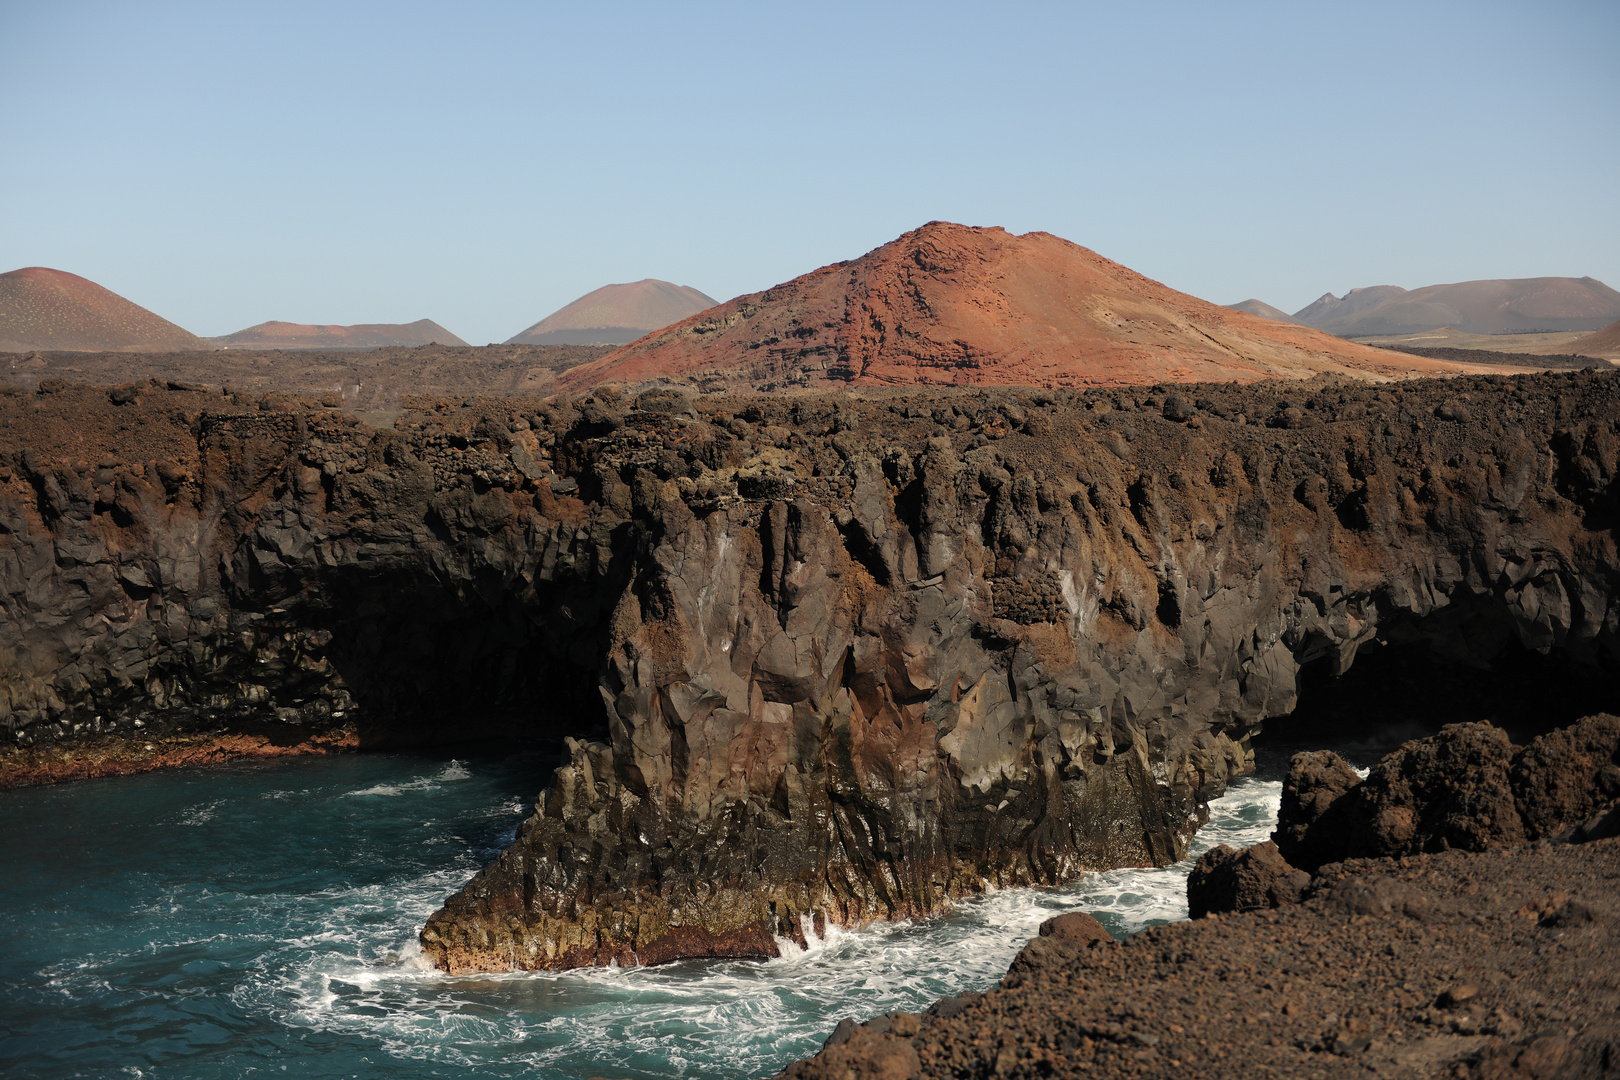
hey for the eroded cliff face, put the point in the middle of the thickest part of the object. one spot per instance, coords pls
(856, 656)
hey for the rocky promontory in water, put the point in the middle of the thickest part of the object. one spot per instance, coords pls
(822, 658)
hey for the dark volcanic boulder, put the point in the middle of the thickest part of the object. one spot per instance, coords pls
(1447, 791)
(1061, 939)
(1077, 928)
(1450, 790)
(1566, 776)
(872, 1051)
(1225, 880)
(1311, 828)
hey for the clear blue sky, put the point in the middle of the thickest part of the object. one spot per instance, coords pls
(483, 164)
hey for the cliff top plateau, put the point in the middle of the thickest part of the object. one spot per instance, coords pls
(953, 305)
(363, 380)
(1476, 307)
(42, 308)
(615, 314)
(286, 335)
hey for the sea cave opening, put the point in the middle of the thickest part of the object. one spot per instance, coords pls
(1395, 691)
(436, 663)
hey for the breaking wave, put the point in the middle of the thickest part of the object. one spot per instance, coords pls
(225, 921)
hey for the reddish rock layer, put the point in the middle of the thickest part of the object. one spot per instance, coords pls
(948, 304)
(26, 767)
(42, 308)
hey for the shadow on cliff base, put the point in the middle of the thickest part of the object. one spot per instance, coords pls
(1393, 693)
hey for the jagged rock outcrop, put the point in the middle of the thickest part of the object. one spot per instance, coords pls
(825, 658)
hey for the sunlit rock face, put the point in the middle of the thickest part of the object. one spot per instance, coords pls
(827, 659)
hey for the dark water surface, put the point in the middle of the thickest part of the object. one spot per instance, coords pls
(261, 918)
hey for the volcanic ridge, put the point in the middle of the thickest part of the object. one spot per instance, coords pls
(616, 314)
(287, 335)
(1496, 306)
(41, 308)
(955, 305)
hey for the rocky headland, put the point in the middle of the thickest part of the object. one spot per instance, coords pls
(823, 658)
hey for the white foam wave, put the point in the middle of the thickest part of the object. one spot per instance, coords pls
(201, 815)
(698, 1018)
(390, 790)
(338, 955)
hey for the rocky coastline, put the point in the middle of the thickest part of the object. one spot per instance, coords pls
(821, 658)
(1458, 919)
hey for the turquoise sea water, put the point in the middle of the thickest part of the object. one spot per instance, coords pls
(260, 919)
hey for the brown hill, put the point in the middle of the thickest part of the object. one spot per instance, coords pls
(1328, 307)
(42, 308)
(1605, 343)
(286, 335)
(1264, 310)
(615, 314)
(953, 304)
(1497, 306)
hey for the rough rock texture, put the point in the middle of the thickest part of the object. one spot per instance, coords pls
(1076, 927)
(1566, 776)
(1060, 938)
(1308, 830)
(1225, 879)
(1467, 787)
(1458, 964)
(835, 658)
(952, 305)
(1447, 791)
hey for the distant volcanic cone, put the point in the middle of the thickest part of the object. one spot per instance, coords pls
(615, 314)
(53, 310)
(286, 335)
(980, 306)
(1605, 343)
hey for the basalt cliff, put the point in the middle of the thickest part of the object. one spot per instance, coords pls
(820, 658)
